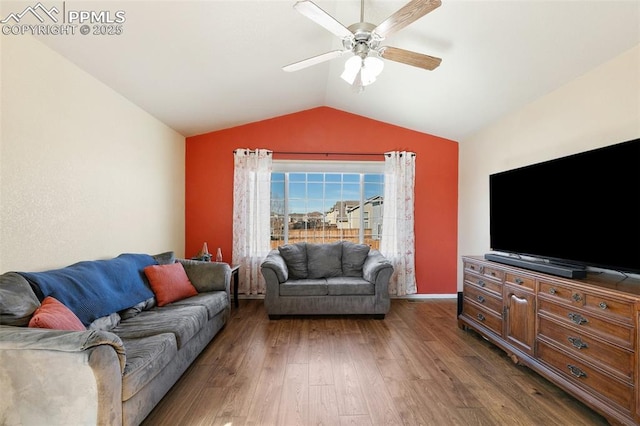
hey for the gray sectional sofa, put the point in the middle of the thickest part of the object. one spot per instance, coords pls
(116, 370)
(326, 279)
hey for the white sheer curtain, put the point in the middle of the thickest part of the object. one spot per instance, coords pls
(251, 210)
(398, 238)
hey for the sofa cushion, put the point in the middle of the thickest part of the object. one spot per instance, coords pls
(166, 258)
(343, 286)
(169, 283)
(353, 257)
(214, 302)
(183, 321)
(146, 357)
(324, 260)
(53, 314)
(308, 287)
(17, 300)
(206, 276)
(295, 256)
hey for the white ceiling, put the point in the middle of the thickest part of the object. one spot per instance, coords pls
(200, 66)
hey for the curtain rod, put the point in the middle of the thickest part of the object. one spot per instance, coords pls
(373, 154)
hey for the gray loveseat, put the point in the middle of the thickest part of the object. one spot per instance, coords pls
(116, 370)
(328, 279)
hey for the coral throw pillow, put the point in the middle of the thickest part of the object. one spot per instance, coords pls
(53, 314)
(169, 283)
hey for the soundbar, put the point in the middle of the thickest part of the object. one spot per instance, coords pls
(565, 271)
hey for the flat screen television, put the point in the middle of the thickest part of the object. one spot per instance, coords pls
(581, 210)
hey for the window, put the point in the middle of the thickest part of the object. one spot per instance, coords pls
(321, 202)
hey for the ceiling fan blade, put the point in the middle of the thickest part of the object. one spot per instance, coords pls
(322, 18)
(410, 58)
(314, 60)
(404, 16)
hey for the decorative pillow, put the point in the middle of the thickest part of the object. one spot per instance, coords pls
(169, 283)
(353, 257)
(324, 260)
(295, 256)
(53, 314)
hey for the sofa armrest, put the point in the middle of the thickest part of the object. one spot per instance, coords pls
(376, 266)
(60, 377)
(275, 262)
(208, 276)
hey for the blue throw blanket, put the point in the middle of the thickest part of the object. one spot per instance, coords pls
(93, 289)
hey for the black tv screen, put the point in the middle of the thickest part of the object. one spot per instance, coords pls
(583, 209)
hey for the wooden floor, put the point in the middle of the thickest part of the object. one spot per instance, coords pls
(416, 367)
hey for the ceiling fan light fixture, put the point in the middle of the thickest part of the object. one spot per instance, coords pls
(351, 69)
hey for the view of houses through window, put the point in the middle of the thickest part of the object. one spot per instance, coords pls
(326, 207)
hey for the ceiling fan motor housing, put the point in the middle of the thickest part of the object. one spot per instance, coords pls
(363, 40)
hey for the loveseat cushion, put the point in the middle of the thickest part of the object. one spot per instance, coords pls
(343, 286)
(146, 357)
(353, 257)
(17, 301)
(184, 321)
(295, 256)
(306, 287)
(324, 260)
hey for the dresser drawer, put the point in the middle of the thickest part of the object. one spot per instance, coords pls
(560, 293)
(484, 298)
(484, 270)
(585, 376)
(620, 309)
(582, 320)
(483, 316)
(494, 287)
(613, 358)
(520, 280)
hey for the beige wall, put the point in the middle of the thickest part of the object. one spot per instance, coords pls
(597, 109)
(84, 173)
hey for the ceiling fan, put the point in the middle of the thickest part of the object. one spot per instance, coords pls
(363, 40)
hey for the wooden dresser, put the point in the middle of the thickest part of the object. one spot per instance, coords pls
(581, 334)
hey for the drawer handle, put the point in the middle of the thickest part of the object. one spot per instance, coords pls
(576, 297)
(481, 317)
(575, 341)
(481, 283)
(480, 298)
(576, 371)
(492, 273)
(552, 290)
(577, 318)
(482, 269)
(519, 281)
(603, 305)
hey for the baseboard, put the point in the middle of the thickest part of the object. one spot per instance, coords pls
(426, 296)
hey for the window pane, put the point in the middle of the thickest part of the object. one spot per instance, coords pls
(326, 207)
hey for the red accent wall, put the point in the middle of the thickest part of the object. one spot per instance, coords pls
(209, 180)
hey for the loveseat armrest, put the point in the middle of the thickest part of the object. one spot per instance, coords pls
(376, 266)
(208, 276)
(275, 262)
(60, 377)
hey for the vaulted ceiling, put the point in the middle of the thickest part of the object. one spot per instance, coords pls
(200, 66)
